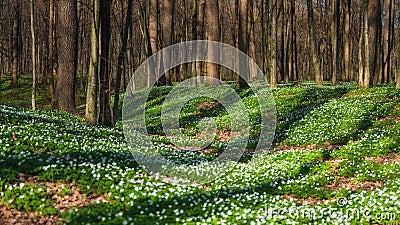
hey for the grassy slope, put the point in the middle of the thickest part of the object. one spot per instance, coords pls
(351, 138)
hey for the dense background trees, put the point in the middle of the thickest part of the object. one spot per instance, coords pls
(94, 46)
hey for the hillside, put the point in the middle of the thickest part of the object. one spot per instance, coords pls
(335, 160)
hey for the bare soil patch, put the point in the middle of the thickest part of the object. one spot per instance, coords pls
(62, 202)
(13, 216)
(390, 158)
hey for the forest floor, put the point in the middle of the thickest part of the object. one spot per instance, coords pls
(335, 160)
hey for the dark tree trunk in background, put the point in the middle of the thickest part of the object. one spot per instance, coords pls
(335, 33)
(168, 29)
(52, 65)
(15, 47)
(313, 44)
(346, 40)
(273, 42)
(374, 33)
(105, 36)
(67, 43)
(243, 42)
(387, 42)
(121, 59)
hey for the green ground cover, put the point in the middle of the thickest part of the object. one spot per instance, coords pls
(336, 150)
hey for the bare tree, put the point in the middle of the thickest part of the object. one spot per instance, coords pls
(168, 29)
(105, 115)
(92, 101)
(243, 43)
(313, 44)
(15, 47)
(346, 41)
(387, 42)
(52, 64)
(213, 35)
(67, 43)
(335, 33)
(121, 58)
(33, 55)
(273, 39)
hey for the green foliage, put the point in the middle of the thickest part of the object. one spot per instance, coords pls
(58, 147)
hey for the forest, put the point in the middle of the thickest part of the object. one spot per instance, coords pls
(95, 46)
(314, 140)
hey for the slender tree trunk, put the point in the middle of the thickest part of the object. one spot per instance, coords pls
(121, 59)
(201, 35)
(33, 55)
(105, 116)
(195, 18)
(346, 36)
(15, 44)
(213, 35)
(67, 54)
(168, 29)
(92, 96)
(374, 33)
(335, 24)
(273, 62)
(294, 41)
(387, 45)
(52, 66)
(313, 44)
(243, 42)
(360, 52)
(367, 71)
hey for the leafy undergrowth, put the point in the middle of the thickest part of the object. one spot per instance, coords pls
(340, 164)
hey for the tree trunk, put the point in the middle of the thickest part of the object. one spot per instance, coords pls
(335, 25)
(213, 35)
(121, 59)
(33, 55)
(52, 65)
(243, 42)
(92, 101)
(105, 36)
(15, 45)
(374, 33)
(201, 35)
(313, 44)
(387, 41)
(346, 36)
(273, 62)
(67, 54)
(168, 29)
(195, 19)
(367, 71)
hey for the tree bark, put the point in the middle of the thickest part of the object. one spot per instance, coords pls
(121, 59)
(313, 44)
(32, 10)
(335, 25)
(374, 33)
(15, 54)
(92, 95)
(105, 116)
(346, 36)
(52, 65)
(213, 35)
(67, 54)
(243, 42)
(168, 29)
(273, 62)
(387, 42)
